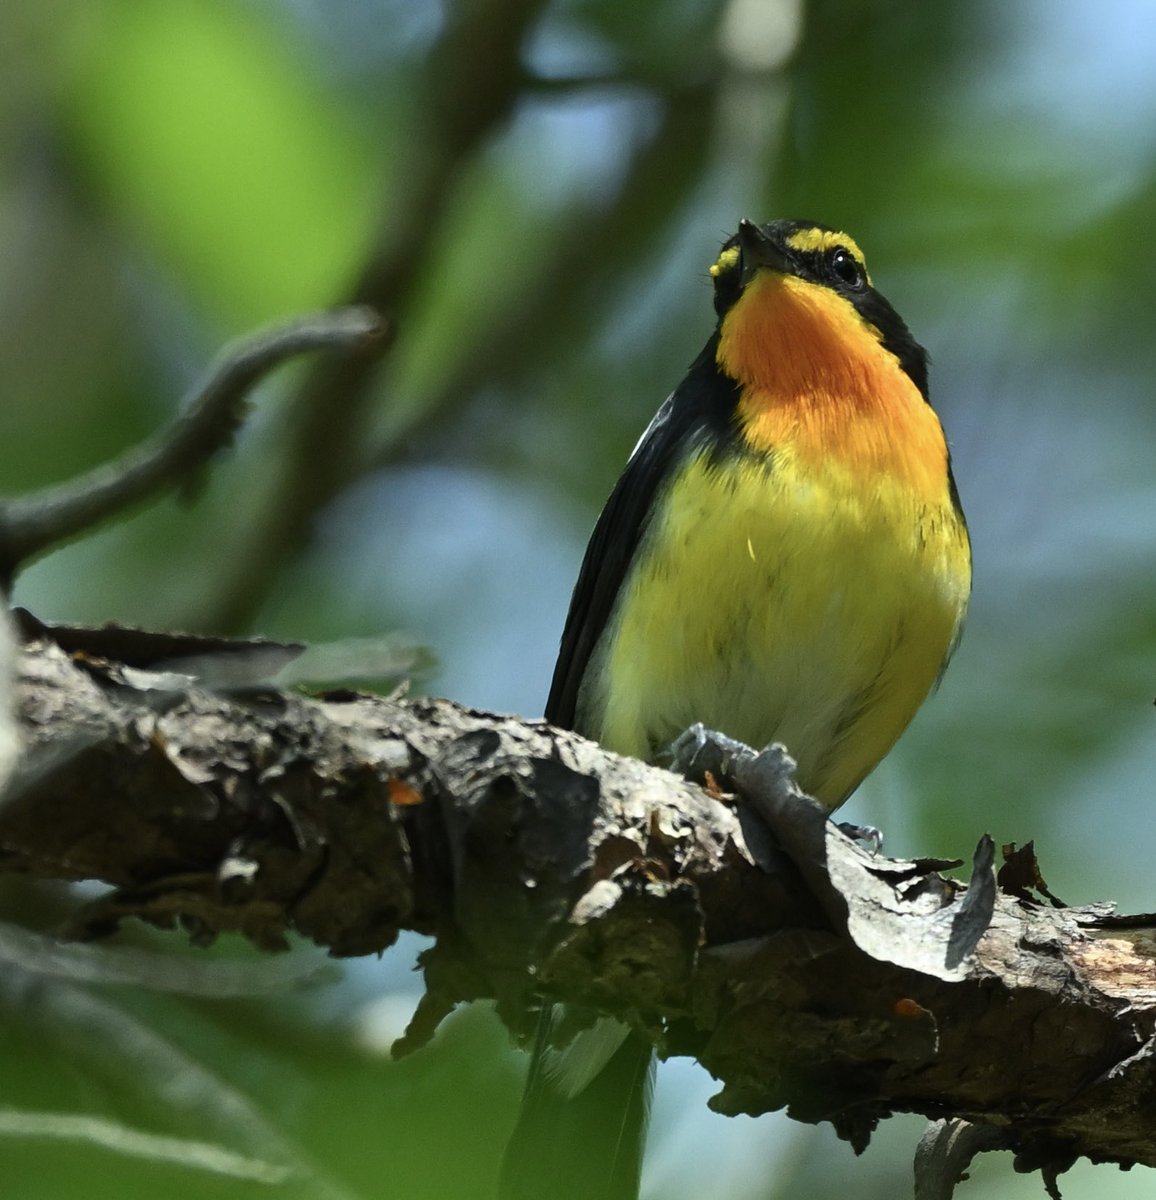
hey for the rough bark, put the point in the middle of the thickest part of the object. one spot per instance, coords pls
(799, 968)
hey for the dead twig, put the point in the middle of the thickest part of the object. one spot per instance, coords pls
(209, 417)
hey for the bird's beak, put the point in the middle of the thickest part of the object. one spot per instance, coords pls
(757, 250)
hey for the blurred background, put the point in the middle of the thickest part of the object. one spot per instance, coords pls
(535, 189)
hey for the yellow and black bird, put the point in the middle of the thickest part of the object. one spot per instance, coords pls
(784, 559)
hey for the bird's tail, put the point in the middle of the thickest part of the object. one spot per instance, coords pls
(582, 1123)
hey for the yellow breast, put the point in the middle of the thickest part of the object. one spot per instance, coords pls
(777, 604)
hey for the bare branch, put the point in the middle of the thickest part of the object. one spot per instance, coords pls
(210, 416)
(842, 985)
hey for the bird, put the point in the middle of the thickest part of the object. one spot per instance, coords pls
(783, 559)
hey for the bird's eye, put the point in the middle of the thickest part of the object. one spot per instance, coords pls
(846, 267)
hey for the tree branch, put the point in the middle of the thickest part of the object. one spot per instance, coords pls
(208, 419)
(842, 985)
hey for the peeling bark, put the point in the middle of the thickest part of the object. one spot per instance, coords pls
(800, 969)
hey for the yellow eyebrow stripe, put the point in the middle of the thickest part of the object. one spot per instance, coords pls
(725, 261)
(826, 239)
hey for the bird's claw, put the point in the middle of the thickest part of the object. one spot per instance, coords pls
(867, 836)
(699, 751)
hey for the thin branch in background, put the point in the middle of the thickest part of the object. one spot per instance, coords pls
(79, 1128)
(218, 1129)
(593, 253)
(49, 957)
(571, 85)
(473, 81)
(33, 523)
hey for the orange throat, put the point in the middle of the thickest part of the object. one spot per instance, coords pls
(818, 385)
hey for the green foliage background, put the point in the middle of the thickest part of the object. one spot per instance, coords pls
(175, 173)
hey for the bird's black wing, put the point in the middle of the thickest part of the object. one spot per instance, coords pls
(701, 409)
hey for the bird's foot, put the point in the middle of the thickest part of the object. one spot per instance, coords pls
(867, 836)
(711, 758)
(704, 755)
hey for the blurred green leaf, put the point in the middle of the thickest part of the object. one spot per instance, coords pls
(209, 130)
